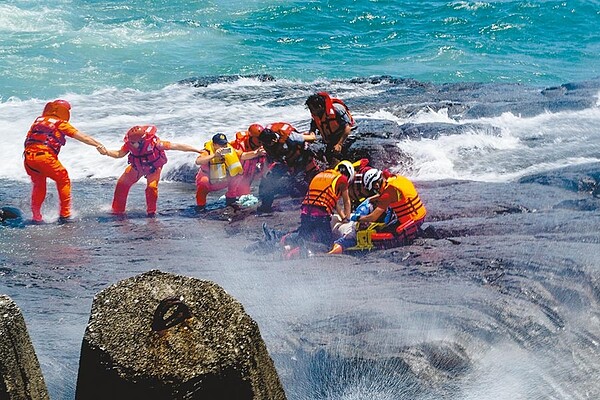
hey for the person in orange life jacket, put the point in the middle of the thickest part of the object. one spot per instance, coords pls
(252, 156)
(398, 193)
(220, 168)
(290, 167)
(322, 199)
(146, 157)
(357, 191)
(334, 122)
(44, 141)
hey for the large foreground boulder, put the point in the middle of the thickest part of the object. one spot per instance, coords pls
(163, 336)
(20, 374)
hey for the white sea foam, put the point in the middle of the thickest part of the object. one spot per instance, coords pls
(524, 145)
(490, 149)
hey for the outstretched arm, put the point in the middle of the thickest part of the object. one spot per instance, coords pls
(374, 216)
(248, 155)
(184, 147)
(309, 137)
(113, 153)
(344, 211)
(87, 139)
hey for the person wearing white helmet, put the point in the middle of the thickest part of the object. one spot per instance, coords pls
(322, 200)
(398, 194)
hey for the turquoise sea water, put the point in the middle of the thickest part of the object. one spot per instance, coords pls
(48, 49)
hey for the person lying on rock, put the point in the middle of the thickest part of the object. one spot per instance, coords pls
(397, 193)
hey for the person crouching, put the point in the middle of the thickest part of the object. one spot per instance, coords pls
(322, 199)
(146, 157)
(220, 168)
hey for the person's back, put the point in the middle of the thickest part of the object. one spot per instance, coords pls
(404, 199)
(321, 200)
(43, 143)
(290, 167)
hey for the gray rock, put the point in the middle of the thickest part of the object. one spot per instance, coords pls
(217, 353)
(21, 376)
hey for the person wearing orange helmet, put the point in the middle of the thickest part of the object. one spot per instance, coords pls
(252, 156)
(146, 157)
(43, 142)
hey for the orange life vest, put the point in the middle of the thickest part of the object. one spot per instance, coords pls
(327, 123)
(323, 190)
(409, 207)
(283, 129)
(45, 131)
(148, 157)
(243, 141)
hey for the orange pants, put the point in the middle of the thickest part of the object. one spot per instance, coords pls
(126, 181)
(204, 186)
(40, 165)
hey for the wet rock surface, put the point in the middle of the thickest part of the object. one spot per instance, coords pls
(513, 262)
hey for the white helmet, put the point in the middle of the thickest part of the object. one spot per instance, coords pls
(346, 167)
(370, 177)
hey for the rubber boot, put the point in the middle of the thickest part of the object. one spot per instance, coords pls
(336, 249)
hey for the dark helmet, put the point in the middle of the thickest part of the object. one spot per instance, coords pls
(58, 108)
(315, 101)
(268, 137)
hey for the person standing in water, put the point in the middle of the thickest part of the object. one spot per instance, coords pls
(146, 157)
(44, 141)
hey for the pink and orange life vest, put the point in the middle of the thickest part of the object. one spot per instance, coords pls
(244, 142)
(45, 131)
(148, 157)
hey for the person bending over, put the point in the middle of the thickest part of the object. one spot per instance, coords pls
(146, 157)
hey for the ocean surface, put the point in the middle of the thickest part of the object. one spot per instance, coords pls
(494, 92)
